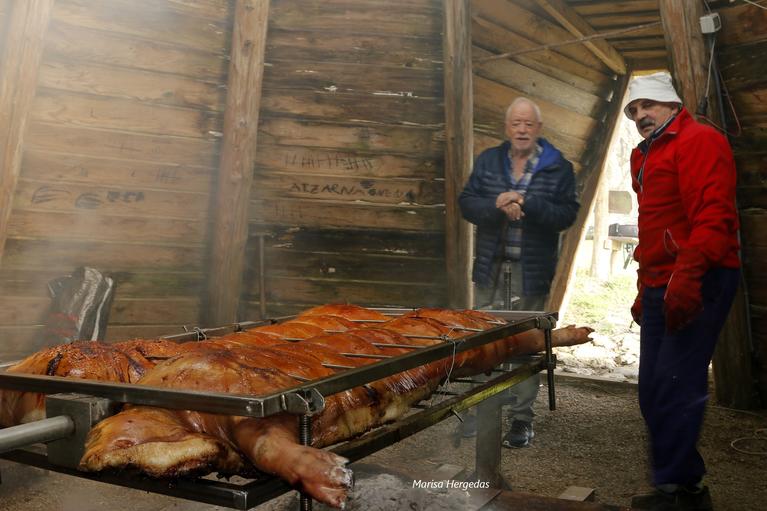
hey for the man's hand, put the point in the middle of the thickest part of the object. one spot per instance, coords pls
(636, 309)
(513, 211)
(683, 300)
(506, 198)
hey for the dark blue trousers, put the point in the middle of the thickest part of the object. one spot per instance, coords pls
(673, 377)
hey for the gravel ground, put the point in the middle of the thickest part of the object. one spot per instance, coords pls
(594, 439)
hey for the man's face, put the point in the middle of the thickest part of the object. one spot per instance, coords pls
(523, 127)
(648, 114)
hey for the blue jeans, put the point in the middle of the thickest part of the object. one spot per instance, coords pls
(673, 376)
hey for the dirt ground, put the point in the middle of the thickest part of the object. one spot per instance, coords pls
(594, 439)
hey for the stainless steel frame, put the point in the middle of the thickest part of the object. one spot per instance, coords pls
(304, 399)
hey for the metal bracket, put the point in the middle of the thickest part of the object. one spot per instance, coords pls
(304, 402)
(545, 322)
(85, 411)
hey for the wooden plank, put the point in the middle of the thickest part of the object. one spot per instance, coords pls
(459, 137)
(128, 284)
(384, 293)
(179, 311)
(496, 39)
(238, 156)
(424, 143)
(752, 169)
(85, 110)
(359, 267)
(21, 55)
(345, 162)
(753, 226)
(652, 64)
(61, 255)
(579, 27)
(419, 245)
(114, 144)
(535, 29)
(595, 8)
(352, 107)
(213, 9)
(380, 191)
(743, 67)
(537, 85)
(146, 19)
(617, 21)
(319, 46)
(30, 311)
(587, 182)
(340, 215)
(87, 226)
(742, 23)
(109, 200)
(371, 78)
(370, 18)
(491, 95)
(131, 84)
(753, 196)
(65, 42)
(38, 165)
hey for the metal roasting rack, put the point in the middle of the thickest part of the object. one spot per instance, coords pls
(74, 406)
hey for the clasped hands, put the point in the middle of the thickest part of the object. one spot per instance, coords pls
(511, 204)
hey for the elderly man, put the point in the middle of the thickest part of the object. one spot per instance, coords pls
(684, 176)
(520, 195)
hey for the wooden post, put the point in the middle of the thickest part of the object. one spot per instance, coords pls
(21, 53)
(587, 181)
(734, 378)
(598, 255)
(230, 228)
(459, 142)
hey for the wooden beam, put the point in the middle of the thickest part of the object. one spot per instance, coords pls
(734, 378)
(238, 155)
(579, 27)
(21, 53)
(587, 182)
(458, 146)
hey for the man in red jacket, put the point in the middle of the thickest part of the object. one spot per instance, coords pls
(683, 173)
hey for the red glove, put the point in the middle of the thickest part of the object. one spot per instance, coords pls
(636, 309)
(683, 300)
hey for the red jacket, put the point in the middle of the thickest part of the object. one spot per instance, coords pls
(686, 199)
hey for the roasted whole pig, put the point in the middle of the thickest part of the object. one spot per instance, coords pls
(267, 359)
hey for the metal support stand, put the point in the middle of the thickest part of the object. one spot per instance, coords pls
(508, 299)
(305, 438)
(488, 450)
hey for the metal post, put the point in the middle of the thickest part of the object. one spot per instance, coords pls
(44, 430)
(550, 364)
(507, 291)
(261, 277)
(305, 438)
(488, 445)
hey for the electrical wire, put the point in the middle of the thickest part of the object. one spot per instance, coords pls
(756, 4)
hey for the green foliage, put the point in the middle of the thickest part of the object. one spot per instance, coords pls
(603, 305)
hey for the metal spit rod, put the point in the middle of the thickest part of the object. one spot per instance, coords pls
(44, 430)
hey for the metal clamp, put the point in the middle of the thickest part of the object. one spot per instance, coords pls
(304, 402)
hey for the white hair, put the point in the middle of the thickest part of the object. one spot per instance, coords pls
(521, 100)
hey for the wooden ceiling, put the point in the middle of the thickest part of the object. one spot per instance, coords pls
(642, 50)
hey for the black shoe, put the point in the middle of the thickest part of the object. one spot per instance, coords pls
(682, 499)
(520, 435)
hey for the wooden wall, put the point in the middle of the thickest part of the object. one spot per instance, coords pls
(742, 46)
(119, 157)
(349, 178)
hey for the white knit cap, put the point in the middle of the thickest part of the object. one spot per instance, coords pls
(657, 87)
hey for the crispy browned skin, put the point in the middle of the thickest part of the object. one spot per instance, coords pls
(258, 362)
(85, 360)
